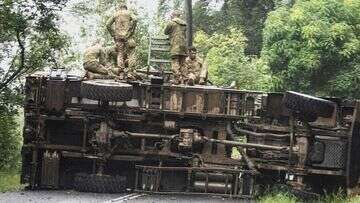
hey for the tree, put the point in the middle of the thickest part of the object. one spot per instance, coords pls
(30, 40)
(30, 37)
(314, 46)
(247, 15)
(225, 55)
(10, 137)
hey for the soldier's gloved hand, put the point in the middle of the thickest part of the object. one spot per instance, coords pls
(202, 81)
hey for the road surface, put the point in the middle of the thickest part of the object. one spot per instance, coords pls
(69, 196)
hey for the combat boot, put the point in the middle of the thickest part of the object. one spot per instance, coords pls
(190, 82)
(89, 75)
(121, 76)
(130, 76)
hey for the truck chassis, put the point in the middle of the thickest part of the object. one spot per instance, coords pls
(107, 136)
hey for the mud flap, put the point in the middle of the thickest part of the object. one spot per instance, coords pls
(50, 170)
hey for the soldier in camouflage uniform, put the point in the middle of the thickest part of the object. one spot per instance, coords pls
(195, 69)
(123, 31)
(95, 61)
(176, 29)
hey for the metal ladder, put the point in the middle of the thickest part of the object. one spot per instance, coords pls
(159, 53)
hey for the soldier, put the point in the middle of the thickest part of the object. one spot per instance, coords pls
(176, 29)
(95, 61)
(125, 24)
(195, 70)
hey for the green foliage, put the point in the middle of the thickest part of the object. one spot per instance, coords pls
(225, 55)
(346, 83)
(281, 194)
(335, 197)
(278, 197)
(29, 31)
(9, 132)
(314, 46)
(9, 181)
(247, 15)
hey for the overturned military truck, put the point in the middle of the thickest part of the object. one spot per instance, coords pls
(106, 136)
(150, 136)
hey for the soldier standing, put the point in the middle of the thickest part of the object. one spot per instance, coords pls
(95, 61)
(195, 71)
(123, 31)
(176, 30)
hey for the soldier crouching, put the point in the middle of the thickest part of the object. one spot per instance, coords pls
(195, 69)
(95, 62)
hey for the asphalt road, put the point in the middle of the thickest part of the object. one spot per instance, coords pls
(70, 196)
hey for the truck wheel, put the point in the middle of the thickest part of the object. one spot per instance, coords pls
(308, 106)
(99, 183)
(106, 90)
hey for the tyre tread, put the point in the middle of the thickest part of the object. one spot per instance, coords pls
(99, 183)
(307, 105)
(100, 90)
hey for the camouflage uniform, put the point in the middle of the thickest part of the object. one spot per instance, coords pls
(195, 71)
(131, 60)
(111, 60)
(125, 24)
(111, 56)
(176, 29)
(95, 61)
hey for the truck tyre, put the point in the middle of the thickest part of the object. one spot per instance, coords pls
(106, 90)
(308, 106)
(99, 183)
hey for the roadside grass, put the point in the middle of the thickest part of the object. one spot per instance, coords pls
(10, 181)
(355, 199)
(285, 197)
(282, 197)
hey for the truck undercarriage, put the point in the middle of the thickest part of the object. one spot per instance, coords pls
(106, 136)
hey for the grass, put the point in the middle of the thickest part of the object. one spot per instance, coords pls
(284, 197)
(278, 198)
(9, 181)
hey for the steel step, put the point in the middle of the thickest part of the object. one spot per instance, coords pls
(160, 61)
(160, 42)
(161, 49)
